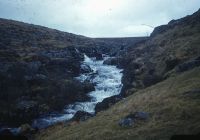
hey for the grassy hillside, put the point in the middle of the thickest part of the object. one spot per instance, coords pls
(161, 77)
(168, 47)
(173, 105)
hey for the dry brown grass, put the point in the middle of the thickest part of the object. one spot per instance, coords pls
(171, 110)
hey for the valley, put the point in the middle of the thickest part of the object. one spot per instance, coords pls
(58, 85)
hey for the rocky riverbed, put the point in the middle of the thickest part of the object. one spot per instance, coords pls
(107, 81)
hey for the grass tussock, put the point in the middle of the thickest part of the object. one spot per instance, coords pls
(173, 105)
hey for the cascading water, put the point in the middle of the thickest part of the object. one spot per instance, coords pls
(107, 80)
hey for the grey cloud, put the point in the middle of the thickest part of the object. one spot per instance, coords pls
(98, 18)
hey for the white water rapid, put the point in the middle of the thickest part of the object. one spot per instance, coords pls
(107, 80)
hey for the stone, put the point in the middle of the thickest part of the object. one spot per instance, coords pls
(132, 118)
(106, 103)
(126, 122)
(111, 61)
(138, 115)
(141, 115)
(25, 129)
(82, 116)
(99, 56)
(85, 68)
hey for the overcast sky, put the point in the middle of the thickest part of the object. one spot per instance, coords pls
(98, 18)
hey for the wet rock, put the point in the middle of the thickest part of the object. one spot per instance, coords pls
(82, 116)
(99, 56)
(85, 68)
(126, 122)
(111, 61)
(88, 86)
(106, 103)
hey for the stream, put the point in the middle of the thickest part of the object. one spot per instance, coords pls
(107, 80)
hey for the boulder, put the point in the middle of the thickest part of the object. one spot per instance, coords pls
(111, 61)
(132, 118)
(106, 103)
(82, 116)
(99, 56)
(126, 122)
(88, 86)
(138, 116)
(85, 68)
